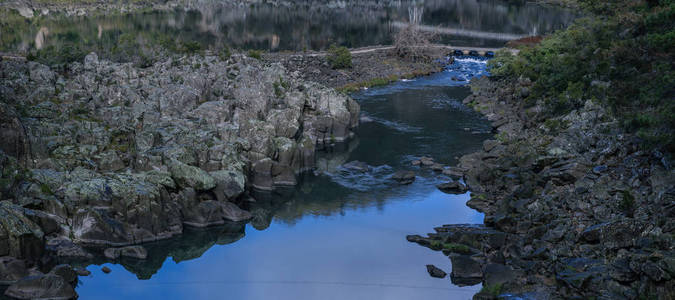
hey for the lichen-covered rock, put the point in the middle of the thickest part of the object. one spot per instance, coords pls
(190, 176)
(112, 154)
(229, 184)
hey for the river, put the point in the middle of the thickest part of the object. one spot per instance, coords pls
(340, 234)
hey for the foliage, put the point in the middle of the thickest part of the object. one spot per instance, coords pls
(52, 55)
(339, 57)
(621, 57)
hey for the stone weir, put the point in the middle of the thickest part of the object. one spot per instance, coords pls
(111, 154)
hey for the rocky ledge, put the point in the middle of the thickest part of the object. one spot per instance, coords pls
(574, 208)
(108, 154)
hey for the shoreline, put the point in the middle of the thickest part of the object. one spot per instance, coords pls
(556, 205)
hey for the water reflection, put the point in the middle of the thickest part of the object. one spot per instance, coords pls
(287, 27)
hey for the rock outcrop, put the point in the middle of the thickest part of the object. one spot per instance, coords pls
(111, 154)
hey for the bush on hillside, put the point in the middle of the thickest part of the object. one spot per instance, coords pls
(339, 57)
(622, 58)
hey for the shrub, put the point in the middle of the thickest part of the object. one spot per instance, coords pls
(339, 57)
(257, 54)
(191, 47)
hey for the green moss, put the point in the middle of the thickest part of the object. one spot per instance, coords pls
(457, 248)
(494, 290)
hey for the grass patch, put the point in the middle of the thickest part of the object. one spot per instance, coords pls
(257, 54)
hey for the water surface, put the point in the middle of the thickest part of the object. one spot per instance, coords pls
(340, 234)
(305, 26)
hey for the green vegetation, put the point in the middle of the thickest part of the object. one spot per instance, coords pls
(339, 57)
(257, 54)
(451, 247)
(493, 290)
(280, 86)
(627, 203)
(621, 57)
(45, 189)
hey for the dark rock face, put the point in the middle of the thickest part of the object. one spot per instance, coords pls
(435, 271)
(44, 286)
(12, 269)
(575, 211)
(404, 177)
(15, 141)
(465, 269)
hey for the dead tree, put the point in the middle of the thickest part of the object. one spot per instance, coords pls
(410, 41)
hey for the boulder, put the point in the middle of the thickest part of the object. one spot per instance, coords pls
(453, 187)
(404, 177)
(190, 176)
(464, 266)
(435, 271)
(229, 184)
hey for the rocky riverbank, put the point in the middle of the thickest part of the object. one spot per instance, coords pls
(371, 66)
(109, 154)
(574, 207)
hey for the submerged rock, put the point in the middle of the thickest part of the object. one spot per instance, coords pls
(357, 166)
(453, 187)
(404, 177)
